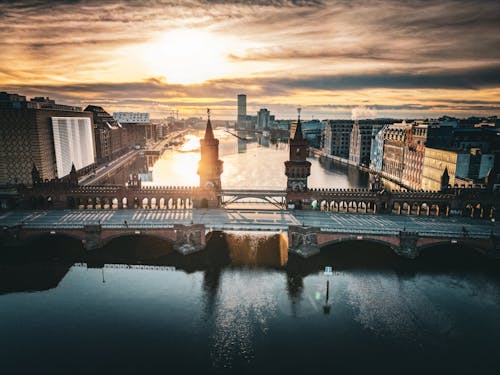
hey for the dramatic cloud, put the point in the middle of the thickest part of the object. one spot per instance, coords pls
(426, 57)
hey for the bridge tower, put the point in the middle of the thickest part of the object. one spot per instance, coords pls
(297, 168)
(210, 167)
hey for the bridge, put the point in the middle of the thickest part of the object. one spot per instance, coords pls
(185, 215)
(306, 232)
(468, 202)
(276, 198)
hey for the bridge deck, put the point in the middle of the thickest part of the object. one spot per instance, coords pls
(252, 220)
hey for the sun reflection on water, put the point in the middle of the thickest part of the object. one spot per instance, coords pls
(192, 143)
(177, 168)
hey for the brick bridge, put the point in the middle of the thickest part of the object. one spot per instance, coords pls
(303, 241)
(185, 239)
(468, 202)
(308, 241)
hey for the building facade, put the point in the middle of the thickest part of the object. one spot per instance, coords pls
(110, 136)
(263, 117)
(436, 161)
(337, 138)
(377, 148)
(360, 143)
(27, 137)
(131, 117)
(73, 144)
(394, 145)
(413, 156)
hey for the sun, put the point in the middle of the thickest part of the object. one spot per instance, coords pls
(186, 56)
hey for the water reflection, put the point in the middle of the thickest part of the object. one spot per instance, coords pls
(245, 308)
(250, 160)
(238, 304)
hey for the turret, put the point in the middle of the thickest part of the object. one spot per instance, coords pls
(210, 167)
(35, 175)
(490, 178)
(297, 168)
(73, 176)
(445, 179)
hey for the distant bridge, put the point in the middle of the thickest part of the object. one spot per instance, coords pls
(276, 198)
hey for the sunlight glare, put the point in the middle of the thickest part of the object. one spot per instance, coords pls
(192, 143)
(187, 56)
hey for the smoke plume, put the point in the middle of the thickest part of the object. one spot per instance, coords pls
(363, 112)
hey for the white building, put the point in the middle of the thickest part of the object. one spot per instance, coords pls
(131, 117)
(73, 143)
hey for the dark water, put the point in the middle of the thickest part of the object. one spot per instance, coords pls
(241, 306)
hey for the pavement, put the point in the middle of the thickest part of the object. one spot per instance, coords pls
(252, 220)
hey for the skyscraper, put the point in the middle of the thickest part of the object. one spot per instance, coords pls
(263, 119)
(242, 109)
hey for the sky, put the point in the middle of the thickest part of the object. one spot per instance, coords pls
(402, 59)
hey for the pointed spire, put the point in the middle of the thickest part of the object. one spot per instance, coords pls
(489, 180)
(73, 176)
(445, 179)
(209, 133)
(298, 136)
(35, 175)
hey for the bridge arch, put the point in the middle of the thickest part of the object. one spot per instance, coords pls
(110, 238)
(466, 247)
(393, 246)
(35, 236)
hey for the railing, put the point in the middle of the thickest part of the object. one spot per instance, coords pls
(130, 267)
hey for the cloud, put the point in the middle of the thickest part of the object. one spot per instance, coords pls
(285, 51)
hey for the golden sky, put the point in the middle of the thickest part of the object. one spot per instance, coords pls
(399, 58)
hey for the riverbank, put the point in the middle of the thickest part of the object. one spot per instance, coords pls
(343, 161)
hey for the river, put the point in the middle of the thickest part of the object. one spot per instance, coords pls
(254, 163)
(243, 305)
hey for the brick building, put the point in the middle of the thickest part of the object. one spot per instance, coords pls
(27, 137)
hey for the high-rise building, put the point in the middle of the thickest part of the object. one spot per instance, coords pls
(263, 119)
(242, 107)
(242, 110)
(29, 132)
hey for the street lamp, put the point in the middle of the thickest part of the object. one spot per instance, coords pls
(327, 306)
